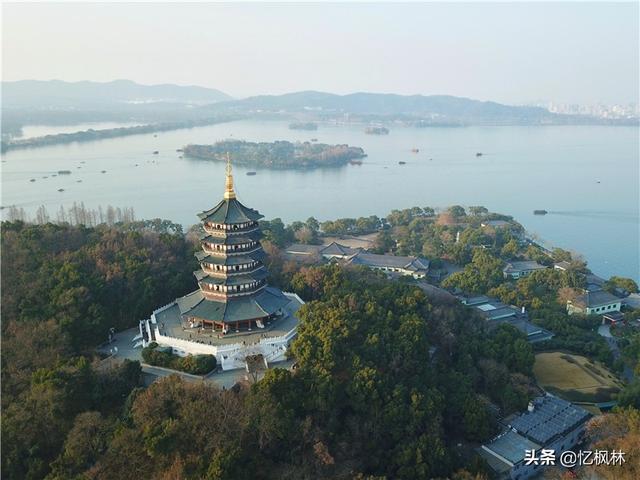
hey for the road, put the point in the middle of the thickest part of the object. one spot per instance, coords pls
(605, 332)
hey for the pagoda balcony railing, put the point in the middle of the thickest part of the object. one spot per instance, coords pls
(210, 248)
(217, 294)
(231, 228)
(207, 268)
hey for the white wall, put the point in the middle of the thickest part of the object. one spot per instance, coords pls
(229, 356)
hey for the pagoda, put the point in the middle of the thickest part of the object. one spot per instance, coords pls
(233, 293)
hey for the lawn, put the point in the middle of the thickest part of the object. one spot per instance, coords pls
(575, 378)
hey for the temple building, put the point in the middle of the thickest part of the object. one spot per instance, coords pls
(234, 312)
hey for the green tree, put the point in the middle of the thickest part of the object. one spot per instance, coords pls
(457, 211)
(621, 282)
(477, 211)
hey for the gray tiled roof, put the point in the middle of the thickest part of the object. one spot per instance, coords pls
(336, 249)
(524, 266)
(595, 299)
(389, 261)
(239, 279)
(501, 311)
(231, 239)
(267, 302)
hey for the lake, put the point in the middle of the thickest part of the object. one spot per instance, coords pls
(585, 176)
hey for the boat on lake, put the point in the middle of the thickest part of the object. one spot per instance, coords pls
(251, 173)
(478, 154)
(540, 212)
(402, 163)
(61, 189)
(64, 172)
(415, 150)
(355, 162)
(156, 152)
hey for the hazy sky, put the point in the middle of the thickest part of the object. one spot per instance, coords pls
(510, 52)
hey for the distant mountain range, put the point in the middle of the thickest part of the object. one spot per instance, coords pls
(432, 109)
(56, 102)
(28, 94)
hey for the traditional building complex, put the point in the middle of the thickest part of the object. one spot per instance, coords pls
(233, 299)
(412, 266)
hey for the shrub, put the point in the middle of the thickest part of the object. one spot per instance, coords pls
(194, 364)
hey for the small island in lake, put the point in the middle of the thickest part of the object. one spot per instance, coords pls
(279, 154)
(303, 126)
(376, 131)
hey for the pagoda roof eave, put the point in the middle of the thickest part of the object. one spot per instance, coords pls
(238, 279)
(264, 304)
(205, 257)
(230, 211)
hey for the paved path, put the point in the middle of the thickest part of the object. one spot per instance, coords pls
(605, 331)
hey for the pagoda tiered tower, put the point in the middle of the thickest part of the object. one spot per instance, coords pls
(234, 294)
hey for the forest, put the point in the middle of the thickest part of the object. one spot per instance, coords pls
(372, 357)
(387, 383)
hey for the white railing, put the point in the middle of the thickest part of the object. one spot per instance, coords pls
(168, 305)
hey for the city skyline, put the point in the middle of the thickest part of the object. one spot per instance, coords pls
(583, 54)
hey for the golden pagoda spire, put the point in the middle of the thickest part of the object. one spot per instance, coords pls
(228, 188)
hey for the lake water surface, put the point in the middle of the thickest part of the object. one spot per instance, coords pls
(586, 177)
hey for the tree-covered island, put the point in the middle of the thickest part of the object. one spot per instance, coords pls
(278, 154)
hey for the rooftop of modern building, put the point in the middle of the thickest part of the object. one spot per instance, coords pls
(510, 446)
(473, 300)
(533, 332)
(497, 312)
(549, 417)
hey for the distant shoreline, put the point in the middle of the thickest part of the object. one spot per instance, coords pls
(92, 135)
